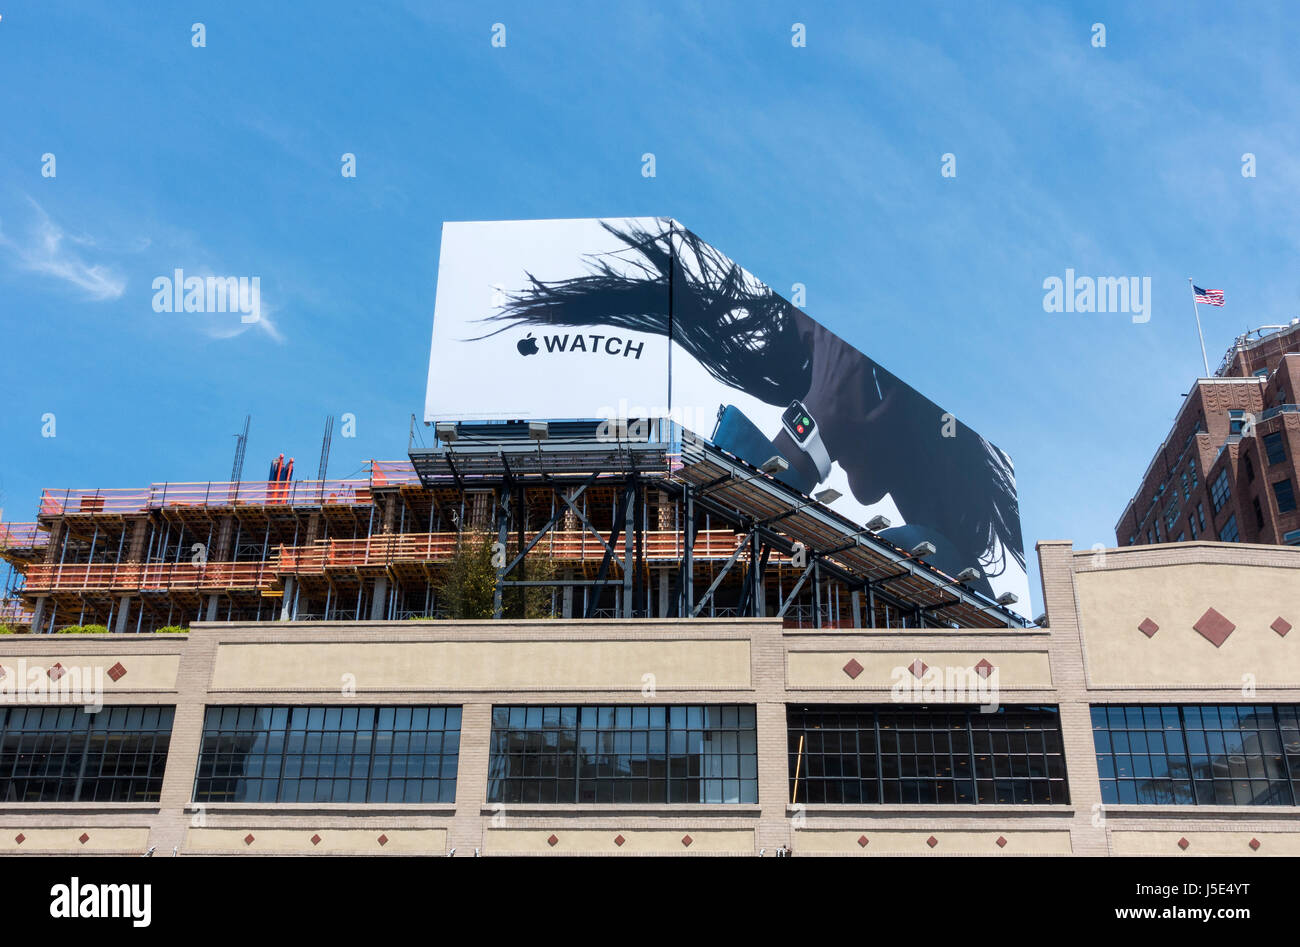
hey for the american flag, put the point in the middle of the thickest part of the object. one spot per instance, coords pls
(1211, 297)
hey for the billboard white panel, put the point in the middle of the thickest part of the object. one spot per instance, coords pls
(482, 368)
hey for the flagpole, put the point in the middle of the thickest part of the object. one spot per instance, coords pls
(1200, 335)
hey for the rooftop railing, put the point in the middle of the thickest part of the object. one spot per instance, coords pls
(23, 536)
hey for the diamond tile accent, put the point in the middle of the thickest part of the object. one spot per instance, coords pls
(248, 839)
(56, 672)
(863, 840)
(1183, 843)
(619, 840)
(84, 838)
(1281, 626)
(1148, 627)
(1214, 627)
(932, 841)
(20, 838)
(1002, 841)
(918, 668)
(383, 840)
(117, 672)
(984, 668)
(687, 840)
(552, 840)
(315, 839)
(1254, 844)
(853, 669)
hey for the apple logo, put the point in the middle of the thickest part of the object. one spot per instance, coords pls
(527, 346)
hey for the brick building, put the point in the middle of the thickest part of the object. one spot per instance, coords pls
(1228, 469)
(1123, 728)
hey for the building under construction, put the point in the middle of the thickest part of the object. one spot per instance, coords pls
(649, 521)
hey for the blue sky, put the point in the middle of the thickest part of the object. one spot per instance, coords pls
(817, 165)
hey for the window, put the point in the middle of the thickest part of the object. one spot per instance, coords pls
(1181, 537)
(1292, 538)
(1191, 524)
(328, 754)
(1200, 515)
(623, 754)
(1171, 517)
(1250, 468)
(1132, 538)
(63, 754)
(1220, 492)
(1191, 465)
(1274, 449)
(1226, 755)
(1259, 513)
(1187, 493)
(926, 755)
(1284, 490)
(1236, 421)
(1230, 533)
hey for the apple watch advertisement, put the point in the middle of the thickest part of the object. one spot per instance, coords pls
(639, 317)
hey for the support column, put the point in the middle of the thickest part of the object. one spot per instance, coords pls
(123, 609)
(38, 615)
(855, 603)
(663, 594)
(629, 525)
(379, 605)
(568, 596)
(466, 830)
(286, 608)
(212, 609)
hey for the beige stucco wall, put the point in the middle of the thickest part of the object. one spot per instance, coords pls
(1113, 603)
(144, 672)
(916, 842)
(882, 669)
(570, 841)
(485, 665)
(101, 840)
(1135, 842)
(271, 840)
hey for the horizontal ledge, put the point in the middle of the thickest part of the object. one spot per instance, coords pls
(626, 808)
(307, 808)
(971, 810)
(1240, 813)
(81, 808)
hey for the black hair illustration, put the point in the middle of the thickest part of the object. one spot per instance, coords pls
(742, 332)
(671, 283)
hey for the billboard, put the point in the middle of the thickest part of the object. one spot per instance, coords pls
(638, 317)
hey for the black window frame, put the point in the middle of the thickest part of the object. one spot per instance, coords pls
(1220, 491)
(623, 754)
(1231, 532)
(386, 748)
(882, 755)
(1208, 742)
(1274, 448)
(1284, 494)
(117, 754)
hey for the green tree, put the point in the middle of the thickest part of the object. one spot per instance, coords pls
(469, 582)
(468, 585)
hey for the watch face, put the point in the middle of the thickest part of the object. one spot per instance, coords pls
(798, 422)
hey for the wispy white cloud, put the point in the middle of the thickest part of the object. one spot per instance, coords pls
(47, 250)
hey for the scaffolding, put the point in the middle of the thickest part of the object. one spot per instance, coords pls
(656, 525)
